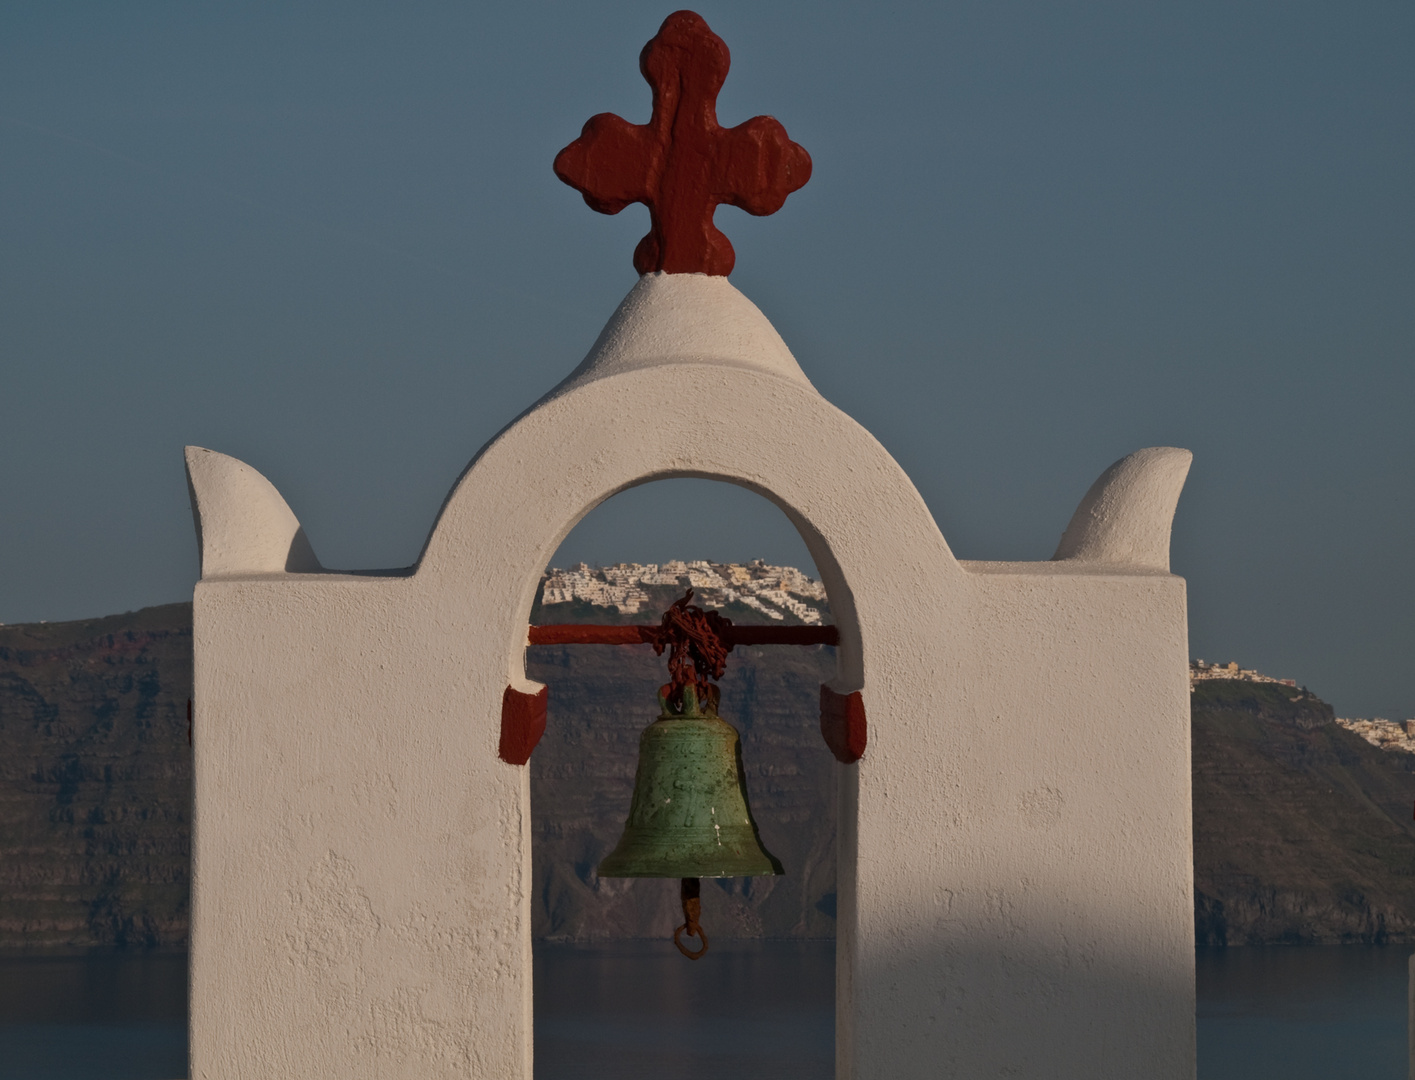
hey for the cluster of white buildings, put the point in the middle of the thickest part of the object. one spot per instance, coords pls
(1386, 734)
(1200, 670)
(774, 591)
(595, 587)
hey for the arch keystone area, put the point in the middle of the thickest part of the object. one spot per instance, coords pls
(685, 319)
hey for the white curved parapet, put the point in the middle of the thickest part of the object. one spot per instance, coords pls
(243, 524)
(1125, 519)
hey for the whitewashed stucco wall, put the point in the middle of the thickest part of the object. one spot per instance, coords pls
(1015, 881)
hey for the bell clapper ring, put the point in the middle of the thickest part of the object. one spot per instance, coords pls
(692, 908)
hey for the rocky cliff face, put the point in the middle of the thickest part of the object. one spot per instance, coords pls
(95, 780)
(1302, 830)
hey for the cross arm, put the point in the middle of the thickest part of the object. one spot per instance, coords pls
(762, 166)
(611, 162)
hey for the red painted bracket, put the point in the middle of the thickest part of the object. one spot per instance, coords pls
(522, 723)
(843, 724)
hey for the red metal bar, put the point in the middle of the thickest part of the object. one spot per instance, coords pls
(783, 635)
(592, 634)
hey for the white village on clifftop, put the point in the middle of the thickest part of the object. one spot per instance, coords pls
(1199, 670)
(773, 591)
(1381, 733)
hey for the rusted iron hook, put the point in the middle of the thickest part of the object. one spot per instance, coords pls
(692, 908)
(697, 649)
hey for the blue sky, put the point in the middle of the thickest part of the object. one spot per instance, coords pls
(326, 239)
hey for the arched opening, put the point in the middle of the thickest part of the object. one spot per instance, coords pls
(610, 989)
(615, 427)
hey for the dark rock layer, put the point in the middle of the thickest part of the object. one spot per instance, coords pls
(1302, 830)
(95, 780)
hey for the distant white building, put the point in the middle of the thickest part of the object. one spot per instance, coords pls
(1385, 734)
(1199, 670)
(769, 590)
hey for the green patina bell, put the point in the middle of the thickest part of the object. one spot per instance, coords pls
(689, 817)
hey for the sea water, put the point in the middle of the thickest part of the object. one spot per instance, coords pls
(1324, 1012)
(101, 1016)
(747, 1009)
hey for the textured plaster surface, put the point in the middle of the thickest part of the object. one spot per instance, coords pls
(1015, 877)
(1124, 519)
(243, 524)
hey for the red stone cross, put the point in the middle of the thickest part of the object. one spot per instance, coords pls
(682, 163)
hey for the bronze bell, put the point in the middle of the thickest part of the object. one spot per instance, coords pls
(689, 816)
